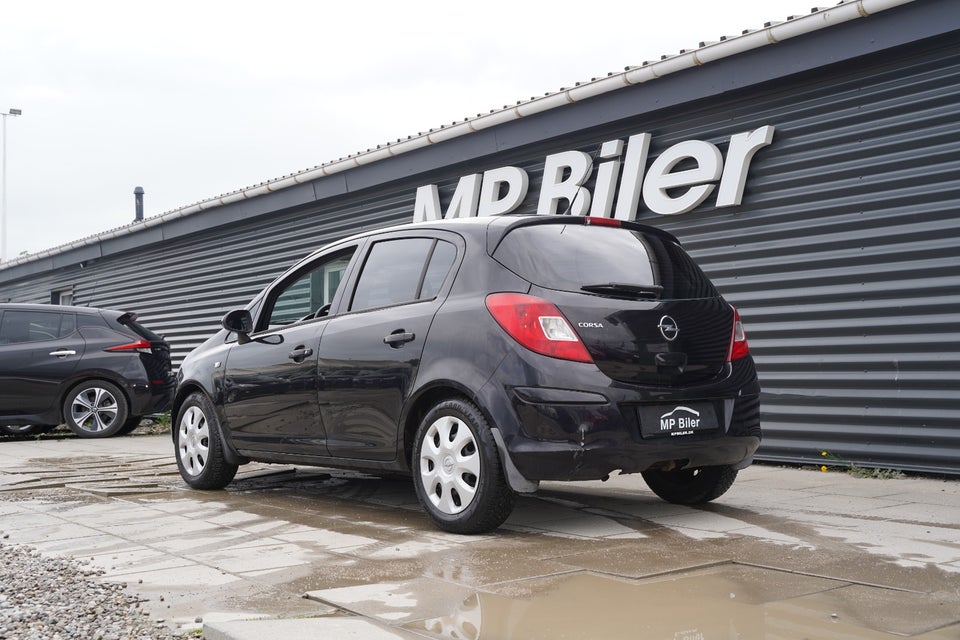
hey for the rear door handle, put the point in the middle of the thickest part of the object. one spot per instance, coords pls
(300, 354)
(398, 338)
(63, 353)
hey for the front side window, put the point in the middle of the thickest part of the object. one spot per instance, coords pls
(35, 326)
(309, 294)
(402, 270)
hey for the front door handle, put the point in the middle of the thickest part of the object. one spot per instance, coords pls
(63, 353)
(399, 338)
(300, 354)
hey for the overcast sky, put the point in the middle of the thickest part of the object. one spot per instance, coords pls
(194, 99)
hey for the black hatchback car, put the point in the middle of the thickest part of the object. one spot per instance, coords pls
(481, 356)
(97, 370)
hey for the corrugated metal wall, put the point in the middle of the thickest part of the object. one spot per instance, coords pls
(843, 257)
(846, 262)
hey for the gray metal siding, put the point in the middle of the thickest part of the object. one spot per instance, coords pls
(842, 258)
(846, 265)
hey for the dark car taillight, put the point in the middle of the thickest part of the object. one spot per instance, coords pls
(537, 325)
(738, 339)
(142, 346)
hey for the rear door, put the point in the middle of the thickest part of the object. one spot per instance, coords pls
(369, 357)
(39, 350)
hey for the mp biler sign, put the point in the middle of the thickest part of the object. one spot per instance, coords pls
(681, 178)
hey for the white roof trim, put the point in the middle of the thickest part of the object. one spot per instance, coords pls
(771, 33)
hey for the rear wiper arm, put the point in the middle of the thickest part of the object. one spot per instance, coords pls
(622, 290)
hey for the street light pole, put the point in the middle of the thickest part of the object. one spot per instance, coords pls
(3, 208)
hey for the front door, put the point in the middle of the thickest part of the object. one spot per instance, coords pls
(270, 383)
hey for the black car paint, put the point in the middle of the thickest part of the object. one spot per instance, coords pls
(552, 419)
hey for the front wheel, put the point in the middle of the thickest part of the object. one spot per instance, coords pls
(691, 486)
(457, 472)
(95, 409)
(196, 439)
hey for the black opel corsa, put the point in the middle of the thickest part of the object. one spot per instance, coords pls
(481, 356)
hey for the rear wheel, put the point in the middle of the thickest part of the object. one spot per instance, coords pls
(457, 472)
(691, 486)
(196, 439)
(24, 429)
(132, 423)
(95, 409)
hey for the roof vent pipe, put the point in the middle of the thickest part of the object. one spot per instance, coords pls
(138, 200)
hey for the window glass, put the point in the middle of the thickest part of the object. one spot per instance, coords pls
(567, 257)
(440, 262)
(34, 326)
(392, 273)
(308, 293)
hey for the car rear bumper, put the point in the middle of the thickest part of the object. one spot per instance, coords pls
(148, 398)
(537, 460)
(588, 431)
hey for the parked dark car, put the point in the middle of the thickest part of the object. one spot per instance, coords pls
(96, 370)
(481, 356)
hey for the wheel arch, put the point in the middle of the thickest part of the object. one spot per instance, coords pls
(445, 390)
(185, 390)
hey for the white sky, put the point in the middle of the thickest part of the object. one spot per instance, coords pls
(192, 99)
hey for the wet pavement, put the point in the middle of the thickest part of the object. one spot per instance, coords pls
(301, 553)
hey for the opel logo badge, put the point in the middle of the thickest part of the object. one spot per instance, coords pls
(668, 327)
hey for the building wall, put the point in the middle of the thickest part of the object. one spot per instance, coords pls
(842, 258)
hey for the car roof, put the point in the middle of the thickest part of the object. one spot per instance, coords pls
(498, 226)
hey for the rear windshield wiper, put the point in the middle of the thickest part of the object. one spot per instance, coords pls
(622, 290)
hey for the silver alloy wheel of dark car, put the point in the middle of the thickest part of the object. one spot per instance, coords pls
(457, 471)
(196, 439)
(95, 409)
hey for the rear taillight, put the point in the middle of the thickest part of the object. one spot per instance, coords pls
(537, 325)
(140, 345)
(738, 339)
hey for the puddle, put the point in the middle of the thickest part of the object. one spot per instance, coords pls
(704, 605)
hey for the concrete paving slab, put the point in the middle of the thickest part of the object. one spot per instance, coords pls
(880, 609)
(303, 629)
(395, 602)
(255, 549)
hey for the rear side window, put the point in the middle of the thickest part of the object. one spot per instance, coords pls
(403, 270)
(35, 326)
(568, 257)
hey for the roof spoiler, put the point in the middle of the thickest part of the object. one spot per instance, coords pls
(127, 318)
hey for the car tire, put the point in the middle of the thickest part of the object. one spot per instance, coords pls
(132, 423)
(457, 471)
(95, 409)
(691, 486)
(24, 429)
(196, 438)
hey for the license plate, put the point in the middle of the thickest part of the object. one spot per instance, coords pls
(677, 420)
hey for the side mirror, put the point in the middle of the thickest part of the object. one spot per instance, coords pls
(240, 322)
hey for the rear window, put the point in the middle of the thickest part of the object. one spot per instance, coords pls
(568, 257)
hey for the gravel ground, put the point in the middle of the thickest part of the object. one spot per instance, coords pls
(59, 599)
